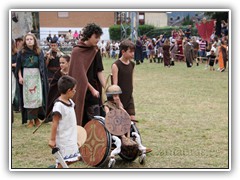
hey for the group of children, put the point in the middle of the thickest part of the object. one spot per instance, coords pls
(64, 120)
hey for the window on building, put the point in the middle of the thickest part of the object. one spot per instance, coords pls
(63, 14)
(141, 18)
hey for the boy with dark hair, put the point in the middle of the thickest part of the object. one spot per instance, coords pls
(52, 60)
(122, 72)
(87, 68)
(64, 124)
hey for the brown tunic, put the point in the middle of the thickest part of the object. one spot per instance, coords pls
(81, 58)
(125, 82)
(166, 55)
(188, 53)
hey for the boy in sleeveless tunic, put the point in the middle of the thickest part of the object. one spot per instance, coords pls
(122, 72)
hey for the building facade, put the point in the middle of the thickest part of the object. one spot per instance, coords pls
(56, 22)
(43, 23)
(157, 19)
(60, 22)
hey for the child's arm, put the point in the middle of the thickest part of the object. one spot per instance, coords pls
(115, 74)
(106, 109)
(101, 78)
(55, 121)
(94, 92)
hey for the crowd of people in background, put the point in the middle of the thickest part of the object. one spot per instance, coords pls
(181, 46)
(64, 39)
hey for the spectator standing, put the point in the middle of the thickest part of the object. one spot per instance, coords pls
(102, 48)
(211, 59)
(108, 49)
(222, 56)
(14, 82)
(19, 43)
(166, 53)
(76, 35)
(173, 51)
(202, 48)
(69, 36)
(188, 53)
(151, 46)
(49, 38)
(195, 50)
(188, 32)
(52, 60)
(55, 38)
(138, 52)
(61, 40)
(180, 55)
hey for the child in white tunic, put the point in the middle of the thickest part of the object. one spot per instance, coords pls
(64, 124)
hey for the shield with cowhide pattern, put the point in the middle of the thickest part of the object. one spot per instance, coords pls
(117, 122)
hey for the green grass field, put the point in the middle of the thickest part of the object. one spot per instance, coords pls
(182, 113)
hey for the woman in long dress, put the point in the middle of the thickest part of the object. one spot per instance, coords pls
(31, 75)
(222, 56)
(166, 53)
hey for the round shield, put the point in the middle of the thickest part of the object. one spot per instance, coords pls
(81, 136)
(97, 147)
(117, 122)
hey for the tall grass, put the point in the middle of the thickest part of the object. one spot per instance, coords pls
(182, 113)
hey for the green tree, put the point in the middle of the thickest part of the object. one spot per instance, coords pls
(218, 16)
(187, 21)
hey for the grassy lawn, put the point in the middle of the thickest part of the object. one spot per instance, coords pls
(182, 113)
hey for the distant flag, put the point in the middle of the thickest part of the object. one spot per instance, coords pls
(205, 29)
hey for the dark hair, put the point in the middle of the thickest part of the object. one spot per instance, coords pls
(19, 38)
(110, 98)
(65, 83)
(66, 56)
(125, 44)
(89, 30)
(53, 41)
